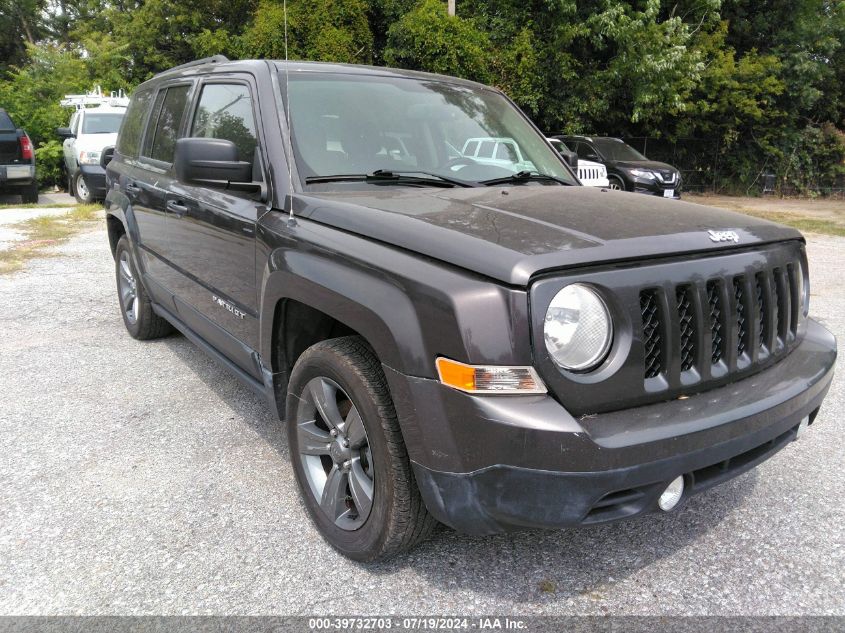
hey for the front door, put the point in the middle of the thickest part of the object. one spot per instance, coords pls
(211, 231)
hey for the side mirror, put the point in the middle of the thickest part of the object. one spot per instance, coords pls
(106, 156)
(571, 159)
(64, 132)
(209, 159)
(593, 157)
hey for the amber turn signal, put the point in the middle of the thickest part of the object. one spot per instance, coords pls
(485, 379)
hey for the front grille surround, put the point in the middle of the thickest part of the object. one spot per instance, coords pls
(715, 294)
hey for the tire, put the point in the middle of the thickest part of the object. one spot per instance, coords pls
(30, 194)
(135, 307)
(616, 183)
(347, 370)
(81, 191)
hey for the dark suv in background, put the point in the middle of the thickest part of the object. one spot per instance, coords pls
(447, 339)
(627, 169)
(17, 161)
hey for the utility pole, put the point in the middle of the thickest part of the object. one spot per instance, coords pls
(451, 7)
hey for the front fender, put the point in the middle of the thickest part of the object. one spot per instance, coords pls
(410, 309)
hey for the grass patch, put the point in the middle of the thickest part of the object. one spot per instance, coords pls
(46, 231)
(800, 222)
(52, 205)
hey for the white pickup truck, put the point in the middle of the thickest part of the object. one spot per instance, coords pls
(91, 130)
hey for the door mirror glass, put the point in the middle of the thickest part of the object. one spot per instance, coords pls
(210, 160)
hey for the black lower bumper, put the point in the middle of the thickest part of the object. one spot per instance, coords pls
(95, 179)
(568, 472)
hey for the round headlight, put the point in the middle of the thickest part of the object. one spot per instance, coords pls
(577, 330)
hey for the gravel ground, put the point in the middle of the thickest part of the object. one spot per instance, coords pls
(140, 478)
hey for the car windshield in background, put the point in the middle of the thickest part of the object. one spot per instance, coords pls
(101, 123)
(617, 150)
(355, 125)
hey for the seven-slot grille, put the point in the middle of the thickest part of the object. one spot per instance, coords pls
(727, 323)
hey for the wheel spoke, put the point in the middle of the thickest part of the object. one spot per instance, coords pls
(333, 501)
(128, 299)
(125, 270)
(312, 439)
(325, 398)
(135, 307)
(354, 428)
(361, 488)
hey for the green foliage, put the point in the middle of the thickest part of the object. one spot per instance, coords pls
(427, 38)
(762, 82)
(319, 30)
(49, 156)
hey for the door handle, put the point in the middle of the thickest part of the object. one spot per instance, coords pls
(132, 188)
(176, 208)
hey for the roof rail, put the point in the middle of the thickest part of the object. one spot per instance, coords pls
(214, 59)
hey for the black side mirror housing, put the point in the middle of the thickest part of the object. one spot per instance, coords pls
(106, 156)
(571, 159)
(64, 132)
(210, 160)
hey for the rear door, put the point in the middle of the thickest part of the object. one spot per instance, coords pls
(147, 177)
(211, 230)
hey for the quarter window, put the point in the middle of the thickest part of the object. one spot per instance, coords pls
(129, 137)
(486, 149)
(163, 141)
(225, 111)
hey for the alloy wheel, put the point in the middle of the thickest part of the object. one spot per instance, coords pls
(82, 188)
(128, 288)
(335, 453)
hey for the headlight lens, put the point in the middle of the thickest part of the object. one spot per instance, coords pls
(642, 173)
(89, 158)
(578, 330)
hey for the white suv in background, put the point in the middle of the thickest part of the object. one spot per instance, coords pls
(91, 130)
(589, 173)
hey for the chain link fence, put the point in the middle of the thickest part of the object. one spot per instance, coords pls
(700, 161)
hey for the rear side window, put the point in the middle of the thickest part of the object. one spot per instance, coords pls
(225, 111)
(486, 150)
(129, 139)
(470, 148)
(161, 139)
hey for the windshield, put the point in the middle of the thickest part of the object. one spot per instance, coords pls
(102, 123)
(612, 149)
(344, 124)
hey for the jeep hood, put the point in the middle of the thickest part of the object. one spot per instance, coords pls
(513, 233)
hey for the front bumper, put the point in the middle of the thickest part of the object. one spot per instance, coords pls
(95, 179)
(499, 463)
(656, 187)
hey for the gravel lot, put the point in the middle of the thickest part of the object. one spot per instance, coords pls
(140, 478)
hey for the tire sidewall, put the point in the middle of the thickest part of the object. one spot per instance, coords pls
(76, 193)
(123, 245)
(365, 542)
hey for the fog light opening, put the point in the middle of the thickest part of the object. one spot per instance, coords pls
(670, 497)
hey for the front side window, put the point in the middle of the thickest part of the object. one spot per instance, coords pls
(101, 122)
(161, 139)
(433, 118)
(129, 137)
(225, 112)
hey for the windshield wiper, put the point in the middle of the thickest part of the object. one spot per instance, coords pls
(525, 176)
(394, 177)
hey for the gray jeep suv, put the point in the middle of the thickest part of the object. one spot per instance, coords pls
(447, 340)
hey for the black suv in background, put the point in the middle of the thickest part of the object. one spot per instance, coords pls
(447, 338)
(627, 169)
(17, 161)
